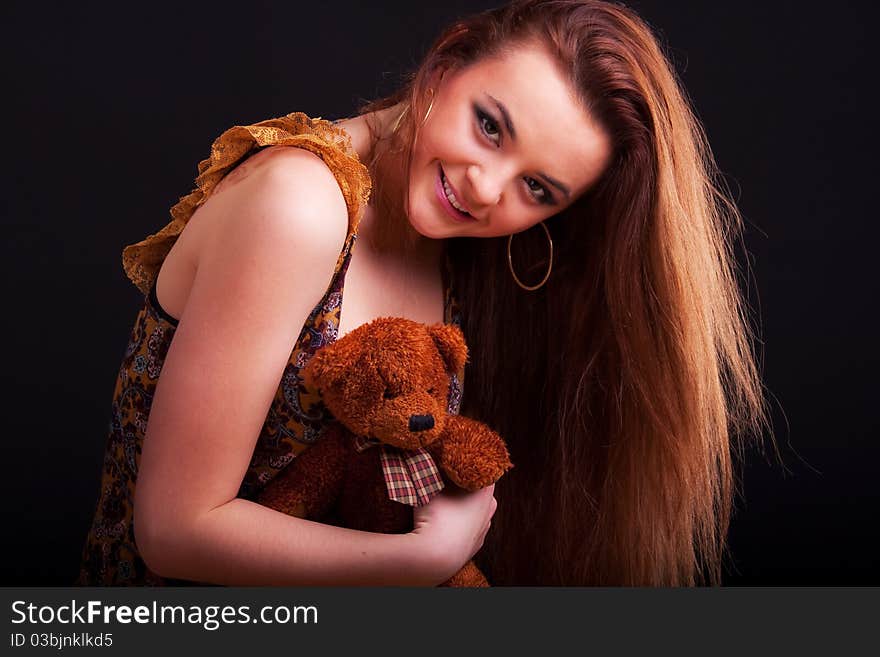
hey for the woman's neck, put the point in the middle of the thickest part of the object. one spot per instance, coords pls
(375, 229)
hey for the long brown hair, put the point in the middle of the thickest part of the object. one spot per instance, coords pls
(626, 385)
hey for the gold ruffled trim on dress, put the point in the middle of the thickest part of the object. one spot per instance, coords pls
(141, 261)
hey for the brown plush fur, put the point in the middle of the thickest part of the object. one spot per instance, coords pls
(372, 381)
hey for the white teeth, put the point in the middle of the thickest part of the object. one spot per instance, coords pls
(451, 197)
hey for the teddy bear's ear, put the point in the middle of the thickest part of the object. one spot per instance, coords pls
(324, 369)
(451, 345)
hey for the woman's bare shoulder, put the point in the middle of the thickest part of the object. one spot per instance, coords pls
(281, 172)
(279, 193)
(275, 161)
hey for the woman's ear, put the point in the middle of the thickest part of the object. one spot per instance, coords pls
(450, 343)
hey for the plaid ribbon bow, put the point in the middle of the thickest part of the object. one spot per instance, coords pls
(411, 476)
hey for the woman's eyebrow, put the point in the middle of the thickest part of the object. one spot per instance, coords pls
(558, 185)
(508, 123)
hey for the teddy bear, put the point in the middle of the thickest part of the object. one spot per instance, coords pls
(392, 444)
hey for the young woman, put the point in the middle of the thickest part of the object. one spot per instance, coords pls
(543, 182)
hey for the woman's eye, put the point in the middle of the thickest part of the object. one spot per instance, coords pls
(488, 126)
(539, 191)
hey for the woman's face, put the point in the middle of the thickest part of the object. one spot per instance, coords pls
(507, 142)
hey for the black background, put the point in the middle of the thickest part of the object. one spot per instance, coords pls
(110, 106)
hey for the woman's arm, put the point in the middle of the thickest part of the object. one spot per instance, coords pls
(274, 239)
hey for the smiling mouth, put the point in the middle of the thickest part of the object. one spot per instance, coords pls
(452, 204)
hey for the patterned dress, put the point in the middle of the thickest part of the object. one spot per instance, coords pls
(295, 418)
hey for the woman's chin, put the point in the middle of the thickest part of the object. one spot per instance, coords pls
(429, 227)
(428, 233)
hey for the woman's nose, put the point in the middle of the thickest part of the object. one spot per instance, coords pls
(485, 187)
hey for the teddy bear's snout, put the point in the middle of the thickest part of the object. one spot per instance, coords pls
(421, 422)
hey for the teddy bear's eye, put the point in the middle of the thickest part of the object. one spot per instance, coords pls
(431, 391)
(388, 394)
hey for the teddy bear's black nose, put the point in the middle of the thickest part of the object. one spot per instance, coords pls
(421, 422)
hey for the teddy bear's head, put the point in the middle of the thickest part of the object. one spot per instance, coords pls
(389, 379)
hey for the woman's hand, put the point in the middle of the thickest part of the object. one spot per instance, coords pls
(450, 529)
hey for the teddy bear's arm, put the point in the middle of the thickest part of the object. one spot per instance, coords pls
(309, 485)
(470, 453)
(469, 576)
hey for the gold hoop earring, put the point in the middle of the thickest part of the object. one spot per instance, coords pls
(531, 288)
(400, 119)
